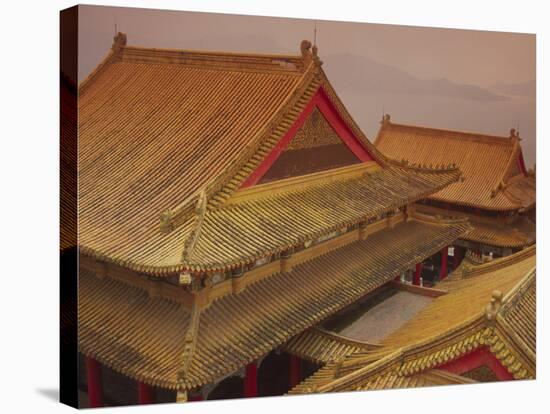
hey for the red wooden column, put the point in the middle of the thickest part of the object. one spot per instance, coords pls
(93, 376)
(146, 393)
(251, 380)
(295, 371)
(417, 274)
(443, 270)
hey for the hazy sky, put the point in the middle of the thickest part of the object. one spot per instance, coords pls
(468, 80)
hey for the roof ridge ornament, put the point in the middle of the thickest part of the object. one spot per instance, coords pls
(491, 310)
(386, 120)
(119, 41)
(501, 186)
(309, 53)
(200, 211)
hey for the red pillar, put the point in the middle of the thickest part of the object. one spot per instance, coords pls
(93, 376)
(251, 381)
(295, 371)
(443, 270)
(146, 393)
(417, 274)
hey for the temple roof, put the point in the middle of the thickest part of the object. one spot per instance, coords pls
(160, 342)
(451, 326)
(491, 166)
(519, 233)
(273, 218)
(513, 232)
(469, 295)
(168, 136)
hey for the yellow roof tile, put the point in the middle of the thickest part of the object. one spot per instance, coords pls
(158, 128)
(466, 299)
(487, 162)
(321, 346)
(452, 325)
(144, 337)
(154, 132)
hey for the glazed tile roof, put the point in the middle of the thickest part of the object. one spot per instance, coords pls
(429, 378)
(519, 233)
(451, 326)
(514, 233)
(68, 163)
(246, 231)
(142, 152)
(321, 346)
(488, 164)
(160, 342)
(470, 295)
(162, 131)
(518, 317)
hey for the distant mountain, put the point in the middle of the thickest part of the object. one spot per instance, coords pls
(528, 88)
(354, 72)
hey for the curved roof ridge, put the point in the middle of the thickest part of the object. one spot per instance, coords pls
(192, 238)
(171, 218)
(523, 284)
(214, 52)
(345, 339)
(458, 134)
(495, 264)
(313, 78)
(349, 120)
(235, 60)
(190, 342)
(425, 168)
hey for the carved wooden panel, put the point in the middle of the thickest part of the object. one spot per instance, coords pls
(316, 147)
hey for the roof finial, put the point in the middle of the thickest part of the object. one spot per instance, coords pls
(491, 310)
(305, 49)
(315, 33)
(119, 41)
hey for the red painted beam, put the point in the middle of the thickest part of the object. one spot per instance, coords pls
(417, 274)
(295, 374)
(325, 106)
(251, 381)
(480, 357)
(95, 388)
(443, 271)
(146, 393)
